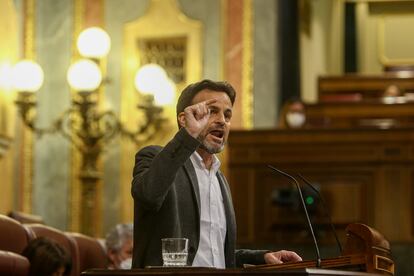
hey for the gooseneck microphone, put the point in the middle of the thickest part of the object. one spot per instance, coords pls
(325, 209)
(318, 255)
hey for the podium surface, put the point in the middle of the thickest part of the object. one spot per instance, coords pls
(229, 272)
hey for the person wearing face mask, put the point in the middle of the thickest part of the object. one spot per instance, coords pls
(293, 114)
(180, 192)
(119, 243)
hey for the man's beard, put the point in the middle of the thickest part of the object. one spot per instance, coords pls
(209, 148)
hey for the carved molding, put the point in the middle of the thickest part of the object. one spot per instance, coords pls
(4, 144)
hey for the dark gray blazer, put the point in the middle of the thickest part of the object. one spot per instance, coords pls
(167, 204)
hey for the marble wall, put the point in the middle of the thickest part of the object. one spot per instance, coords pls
(51, 155)
(266, 65)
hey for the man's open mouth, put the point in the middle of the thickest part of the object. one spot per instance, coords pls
(217, 133)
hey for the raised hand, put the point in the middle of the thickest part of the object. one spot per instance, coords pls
(196, 117)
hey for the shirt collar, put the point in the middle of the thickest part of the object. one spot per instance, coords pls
(198, 161)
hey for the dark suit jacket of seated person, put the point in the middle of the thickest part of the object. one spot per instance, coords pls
(170, 201)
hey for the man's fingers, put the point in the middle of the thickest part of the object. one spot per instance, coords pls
(281, 257)
(208, 102)
(272, 259)
(289, 256)
(196, 117)
(200, 111)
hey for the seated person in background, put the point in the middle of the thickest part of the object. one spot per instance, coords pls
(47, 258)
(119, 243)
(392, 91)
(293, 114)
(393, 94)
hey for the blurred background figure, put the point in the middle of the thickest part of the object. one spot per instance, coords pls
(47, 258)
(119, 243)
(392, 91)
(293, 114)
(393, 94)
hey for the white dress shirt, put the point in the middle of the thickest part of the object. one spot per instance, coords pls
(213, 228)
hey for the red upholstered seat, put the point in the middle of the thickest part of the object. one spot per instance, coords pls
(14, 237)
(91, 252)
(13, 264)
(61, 238)
(25, 217)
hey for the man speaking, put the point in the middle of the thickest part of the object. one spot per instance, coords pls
(179, 191)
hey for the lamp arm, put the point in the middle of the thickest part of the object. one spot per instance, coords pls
(85, 128)
(26, 104)
(64, 124)
(153, 123)
(29, 121)
(109, 125)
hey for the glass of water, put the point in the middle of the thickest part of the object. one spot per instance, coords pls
(174, 251)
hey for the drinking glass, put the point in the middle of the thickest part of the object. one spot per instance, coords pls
(174, 251)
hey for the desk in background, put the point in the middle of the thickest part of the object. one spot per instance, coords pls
(364, 175)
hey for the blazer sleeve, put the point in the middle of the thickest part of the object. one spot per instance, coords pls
(249, 256)
(156, 167)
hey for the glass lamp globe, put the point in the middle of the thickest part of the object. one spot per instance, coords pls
(148, 78)
(27, 76)
(94, 42)
(165, 93)
(84, 75)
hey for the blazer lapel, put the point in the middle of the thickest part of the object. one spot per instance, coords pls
(188, 166)
(228, 205)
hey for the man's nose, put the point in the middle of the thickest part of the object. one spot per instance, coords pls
(220, 118)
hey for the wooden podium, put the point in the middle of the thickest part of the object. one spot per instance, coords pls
(227, 272)
(366, 252)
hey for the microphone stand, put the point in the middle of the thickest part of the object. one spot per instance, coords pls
(318, 261)
(325, 209)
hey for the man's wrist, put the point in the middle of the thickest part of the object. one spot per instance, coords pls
(187, 140)
(194, 134)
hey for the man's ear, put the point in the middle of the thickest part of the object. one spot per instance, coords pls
(181, 119)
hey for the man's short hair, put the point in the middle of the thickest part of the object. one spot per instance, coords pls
(118, 235)
(188, 94)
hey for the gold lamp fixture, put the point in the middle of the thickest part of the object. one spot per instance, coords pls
(83, 124)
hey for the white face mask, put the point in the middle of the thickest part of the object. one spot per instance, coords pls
(126, 264)
(295, 119)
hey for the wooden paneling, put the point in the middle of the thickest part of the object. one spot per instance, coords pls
(366, 114)
(356, 87)
(364, 175)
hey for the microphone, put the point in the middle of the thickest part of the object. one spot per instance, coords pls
(325, 210)
(318, 255)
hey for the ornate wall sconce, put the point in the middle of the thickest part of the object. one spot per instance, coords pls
(83, 124)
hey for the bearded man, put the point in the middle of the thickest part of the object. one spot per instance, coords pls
(179, 191)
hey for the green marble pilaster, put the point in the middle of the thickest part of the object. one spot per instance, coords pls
(117, 13)
(51, 156)
(266, 62)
